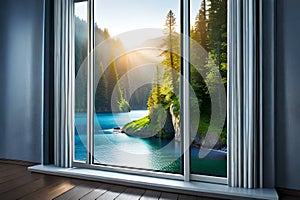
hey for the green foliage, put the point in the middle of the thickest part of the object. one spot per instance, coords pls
(223, 135)
(199, 44)
(212, 75)
(137, 125)
(203, 125)
(199, 31)
(109, 77)
(210, 32)
(81, 38)
(176, 106)
(151, 124)
(171, 55)
(162, 95)
(102, 98)
(217, 34)
(165, 97)
(155, 96)
(157, 116)
(165, 94)
(124, 105)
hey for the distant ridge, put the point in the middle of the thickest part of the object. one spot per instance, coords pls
(154, 42)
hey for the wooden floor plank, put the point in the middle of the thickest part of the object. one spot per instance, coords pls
(19, 181)
(9, 170)
(168, 196)
(26, 189)
(151, 195)
(4, 166)
(52, 191)
(12, 176)
(112, 193)
(97, 192)
(78, 191)
(131, 194)
(288, 194)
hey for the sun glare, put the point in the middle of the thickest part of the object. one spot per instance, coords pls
(136, 21)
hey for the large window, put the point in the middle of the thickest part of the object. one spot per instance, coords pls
(150, 88)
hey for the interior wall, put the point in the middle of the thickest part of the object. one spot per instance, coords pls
(21, 79)
(288, 95)
(267, 43)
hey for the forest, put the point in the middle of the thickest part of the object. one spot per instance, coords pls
(161, 98)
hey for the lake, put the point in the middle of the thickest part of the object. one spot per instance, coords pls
(118, 149)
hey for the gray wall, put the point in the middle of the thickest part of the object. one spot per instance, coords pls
(288, 95)
(21, 79)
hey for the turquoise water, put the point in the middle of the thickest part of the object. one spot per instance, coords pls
(155, 154)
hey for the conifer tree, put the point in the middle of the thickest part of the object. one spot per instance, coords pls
(200, 27)
(217, 33)
(199, 44)
(171, 60)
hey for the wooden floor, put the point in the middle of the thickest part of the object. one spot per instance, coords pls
(17, 183)
(288, 194)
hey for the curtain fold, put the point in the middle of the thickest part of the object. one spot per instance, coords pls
(63, 82)
(244, 110)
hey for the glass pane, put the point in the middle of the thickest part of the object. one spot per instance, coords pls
(208, 79)
(81, 41)
(137, 65)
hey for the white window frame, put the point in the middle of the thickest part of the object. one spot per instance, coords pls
(186, 176)
(244, 31)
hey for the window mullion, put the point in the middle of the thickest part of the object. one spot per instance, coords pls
(90, 83)
(185, 88)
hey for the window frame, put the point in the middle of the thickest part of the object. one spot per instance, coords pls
(56, 145)
(185, 51)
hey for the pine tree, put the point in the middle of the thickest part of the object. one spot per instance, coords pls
(171, 54)
(199, 44)
(200, 27)
(101, 99)
(81, 42)
(217, 34)
(114, 81)
(110, 80)
(217, 45)
(154, 96)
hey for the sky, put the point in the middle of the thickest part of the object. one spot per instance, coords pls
(120, 16)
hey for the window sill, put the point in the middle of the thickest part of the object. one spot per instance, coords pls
(193, 187)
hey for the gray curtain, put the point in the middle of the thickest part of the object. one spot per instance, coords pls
(244, 91)
(63, 82)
